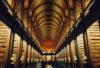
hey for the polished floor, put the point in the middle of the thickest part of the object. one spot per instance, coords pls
(49, 66)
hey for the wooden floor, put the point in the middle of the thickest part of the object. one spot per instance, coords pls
(49, 66)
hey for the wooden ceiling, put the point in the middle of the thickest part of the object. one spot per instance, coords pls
(49, 20)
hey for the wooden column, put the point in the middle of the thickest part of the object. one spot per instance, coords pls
(25, 65)
(30, 62)
(87, 50)
(71, 56)
(17, 65)
(78, 55)
(67, 55)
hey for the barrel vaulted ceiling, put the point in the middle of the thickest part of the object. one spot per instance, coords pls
(49, 21)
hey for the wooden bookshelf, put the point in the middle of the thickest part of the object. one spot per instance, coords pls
(81, 48)
(4, 42)
(24, 53)
(94, 43)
